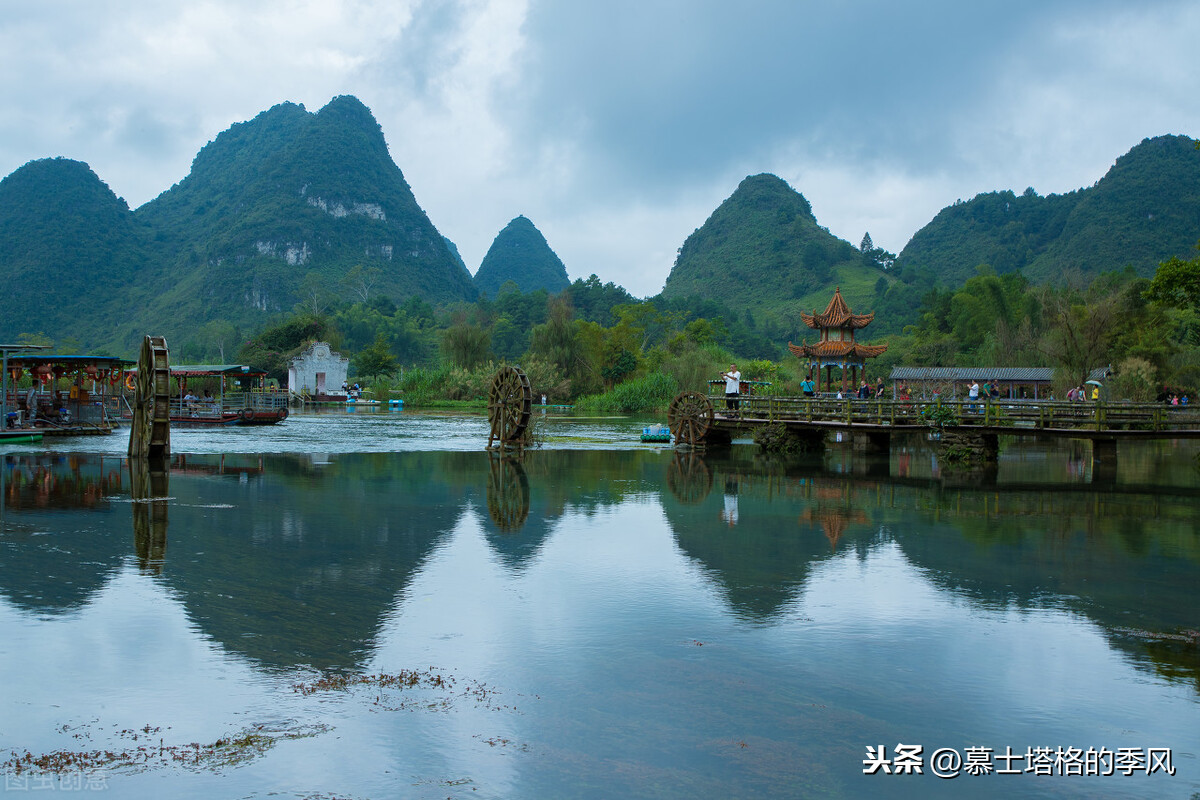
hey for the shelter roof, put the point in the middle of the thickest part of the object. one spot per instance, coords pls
(837, 315)
(1010, 374)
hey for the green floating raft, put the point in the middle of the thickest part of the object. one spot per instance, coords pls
(18, 436)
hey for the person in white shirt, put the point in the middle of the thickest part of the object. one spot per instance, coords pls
(733, 380)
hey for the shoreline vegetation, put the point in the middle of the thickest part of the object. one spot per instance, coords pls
(598, 349)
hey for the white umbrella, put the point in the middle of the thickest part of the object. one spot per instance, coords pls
(1094, 383)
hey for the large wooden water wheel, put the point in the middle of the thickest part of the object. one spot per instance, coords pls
(510, 402)
(150, 429)
(689, 416)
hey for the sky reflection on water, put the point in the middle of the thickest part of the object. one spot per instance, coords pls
(610, 626)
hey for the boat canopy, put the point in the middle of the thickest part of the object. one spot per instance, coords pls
(66, 364)
(202, 370)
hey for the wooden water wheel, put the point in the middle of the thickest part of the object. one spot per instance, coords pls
(150, 429)
(510, 402)
(507, 494)
(688, 478)
(689, 416)
(149, 481)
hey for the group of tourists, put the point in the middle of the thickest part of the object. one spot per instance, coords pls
(1080, 393)
(194, 404)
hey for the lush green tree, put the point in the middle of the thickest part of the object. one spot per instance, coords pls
(375, 360)
(274, 347)
(1177, 283)
(1080, 330)
(559, 341)
(508, 341)
(595, 301)
(466, 345)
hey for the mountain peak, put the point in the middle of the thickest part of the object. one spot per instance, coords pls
(761, 244)
(521, 254)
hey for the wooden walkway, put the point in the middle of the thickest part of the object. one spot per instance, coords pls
(1085, 420)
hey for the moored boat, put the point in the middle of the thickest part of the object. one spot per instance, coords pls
(222, 394)
(57, 395)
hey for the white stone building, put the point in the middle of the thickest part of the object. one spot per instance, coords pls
(317, 371)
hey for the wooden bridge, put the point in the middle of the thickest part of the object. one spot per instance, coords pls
(699, 418)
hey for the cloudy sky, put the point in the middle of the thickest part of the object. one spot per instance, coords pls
(618, 126)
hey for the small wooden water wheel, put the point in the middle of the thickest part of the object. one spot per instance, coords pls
(510, 402)
(150, 429)
(689, 416)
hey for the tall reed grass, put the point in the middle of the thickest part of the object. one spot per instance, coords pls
(646, 394)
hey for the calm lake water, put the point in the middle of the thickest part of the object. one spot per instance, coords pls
(369, 605)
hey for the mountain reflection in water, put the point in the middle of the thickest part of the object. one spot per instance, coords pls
(291, 563)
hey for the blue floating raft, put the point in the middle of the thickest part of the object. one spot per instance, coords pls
(656, 433)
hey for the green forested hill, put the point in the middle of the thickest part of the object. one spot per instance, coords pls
(281, 209)
(521, 254)
(290, 207)
(763, 251)
(1143, 211)
(69, 250)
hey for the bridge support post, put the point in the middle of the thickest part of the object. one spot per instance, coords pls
(782, 438)
(718, 437)
(969, 447)
(1104, 460)
(873, 442)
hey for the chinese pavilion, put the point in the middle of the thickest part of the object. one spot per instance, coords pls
(836, 347)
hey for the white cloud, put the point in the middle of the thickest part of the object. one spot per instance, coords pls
(618, 127)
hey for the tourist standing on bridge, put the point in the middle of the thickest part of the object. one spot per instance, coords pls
(733, 380)
(807, 386)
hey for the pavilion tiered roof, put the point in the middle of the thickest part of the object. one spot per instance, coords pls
(837, 315)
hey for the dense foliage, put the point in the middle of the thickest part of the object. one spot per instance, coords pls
(1144, 210)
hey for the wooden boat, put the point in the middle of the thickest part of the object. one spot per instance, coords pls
(222, 394)
(56, 395)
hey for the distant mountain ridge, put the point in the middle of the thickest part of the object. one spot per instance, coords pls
(1144, 210)
(283, 208)
(521, 254)
(274, 210)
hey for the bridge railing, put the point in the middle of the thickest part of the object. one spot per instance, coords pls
(992, 413)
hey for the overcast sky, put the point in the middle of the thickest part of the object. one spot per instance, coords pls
(617, 127)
